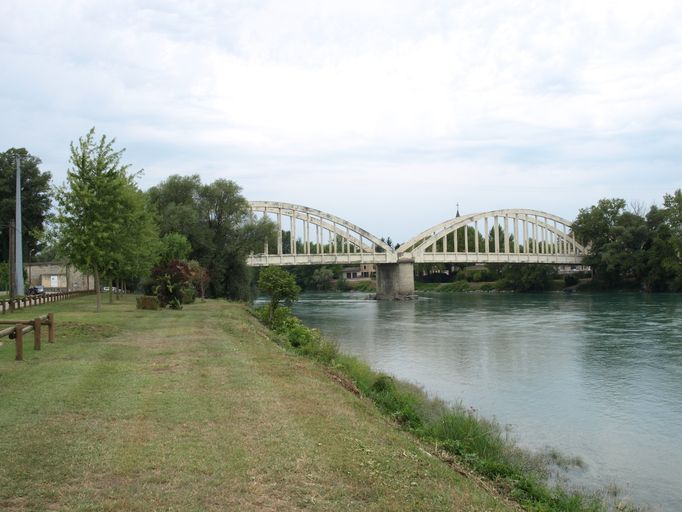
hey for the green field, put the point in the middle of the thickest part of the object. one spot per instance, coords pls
(198, 410)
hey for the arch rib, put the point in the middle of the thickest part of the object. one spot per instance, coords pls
(428, 238)
(356, 244)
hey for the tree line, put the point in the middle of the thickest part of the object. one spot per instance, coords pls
(627, 245)
(101, 222)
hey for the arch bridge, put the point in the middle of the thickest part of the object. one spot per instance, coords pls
(306, 236)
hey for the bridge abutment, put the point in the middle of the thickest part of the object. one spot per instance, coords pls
(395, 281)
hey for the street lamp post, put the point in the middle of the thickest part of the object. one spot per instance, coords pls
(18, 243)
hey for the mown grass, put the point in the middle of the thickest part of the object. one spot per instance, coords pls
(478, 443)
(198, 410)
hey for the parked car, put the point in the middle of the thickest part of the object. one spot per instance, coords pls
(36, 290)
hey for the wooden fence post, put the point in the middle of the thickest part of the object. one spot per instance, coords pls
(51, 328)
(19, 342)
(36, 334)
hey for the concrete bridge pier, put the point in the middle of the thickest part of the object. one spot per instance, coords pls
(395, 281)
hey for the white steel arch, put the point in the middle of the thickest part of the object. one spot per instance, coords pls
(499, 236)
(315, 237)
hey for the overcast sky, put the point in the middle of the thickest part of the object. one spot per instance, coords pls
(386, 113)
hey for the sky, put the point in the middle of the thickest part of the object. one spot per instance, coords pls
(385, 113)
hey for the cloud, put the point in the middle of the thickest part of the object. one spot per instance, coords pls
(360, 108)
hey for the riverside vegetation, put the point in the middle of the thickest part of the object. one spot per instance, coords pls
(454, 433)
(457, 432)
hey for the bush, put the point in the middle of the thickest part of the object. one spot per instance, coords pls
(460, 286)
(571, 280)
(487, 287)
(147, 302)
(189, 295)
(170, 282)
(383, 384)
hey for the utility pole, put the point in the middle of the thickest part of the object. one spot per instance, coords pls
(18, 242)
(12, 273)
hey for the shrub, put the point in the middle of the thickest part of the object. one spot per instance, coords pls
(571, 280)
(383, 384)
(459, 286)
(189, 295)
(170, 281)
(280, 285)
(487, 287)
(147, 302)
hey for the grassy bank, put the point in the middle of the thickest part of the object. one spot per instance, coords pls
(453, 433)
(198, 410)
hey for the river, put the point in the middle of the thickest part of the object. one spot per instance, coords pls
(597, 376)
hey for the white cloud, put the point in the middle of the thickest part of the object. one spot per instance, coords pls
(539, 104)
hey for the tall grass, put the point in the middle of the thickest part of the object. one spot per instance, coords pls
(477, 442)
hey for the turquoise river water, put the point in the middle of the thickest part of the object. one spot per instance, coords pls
(597, 376)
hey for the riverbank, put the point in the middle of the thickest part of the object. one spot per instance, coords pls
(556, 285)
(453, 433)
(198, 410)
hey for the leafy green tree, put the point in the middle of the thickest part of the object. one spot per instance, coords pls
(322, 278)
(97, 210)
(664, 252)
(139, 240)
(177, 202)
(280, 285)
(35, 198)
(533, 277)
(175, 246)
(4, 276)
(595, 228)
(624, 255)
(217, 221)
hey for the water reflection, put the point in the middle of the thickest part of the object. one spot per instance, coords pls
(597, 376)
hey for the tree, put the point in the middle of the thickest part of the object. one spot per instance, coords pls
(595, 228)
(664, 252)
(280, 285)
(217, 221)
(4, 276)
(200, 277)
(35, 198)
(175, 246)
(529, 277)
(322, 278)
(139, 240)
(99, 223)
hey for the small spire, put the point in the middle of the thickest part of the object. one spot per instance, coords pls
(457, 210)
